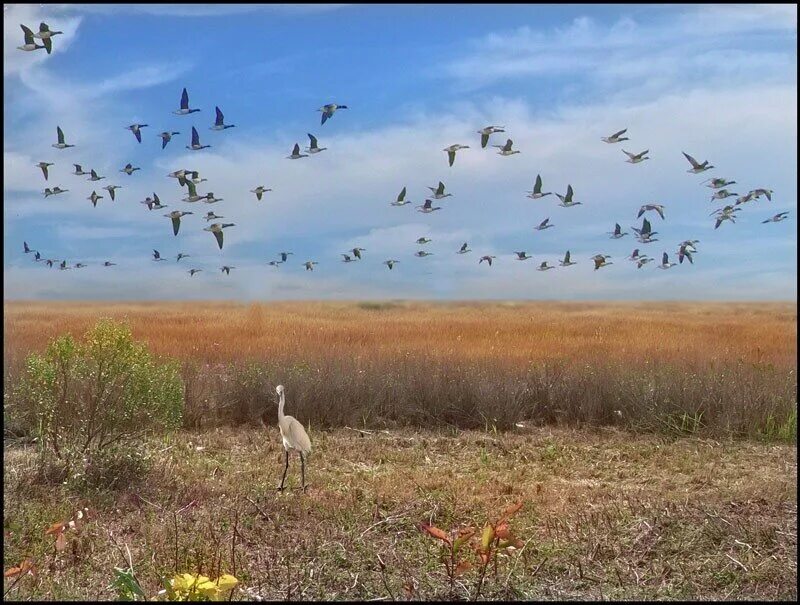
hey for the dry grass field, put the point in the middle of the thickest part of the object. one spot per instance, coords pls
(653, 447)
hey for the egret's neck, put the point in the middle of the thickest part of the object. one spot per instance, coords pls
(280, 407)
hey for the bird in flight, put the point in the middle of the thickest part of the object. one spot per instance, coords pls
(61, 144)
(216, 229)
(46, 36)
(129, 168)
(463, 249)
(617, 232)
(401, 199)
(777, 218)
(226, 269)
(567, 262)
(657, 207)
(328, 111)
(566, 200)
(259, 191)
(600, 261)
(635, 158)
(544, 267)
(665, 264)
(505, 149)
(196, 146)
(616, 137)
(487, 132)
(296, 155)
(43, 166)
(219, 123)
(94, 197)
(136, 130)
(30, 43)
(390, 263)
(422, 253)
(438, 191)
(537, 189)
(428, 207)
(696, 168)
(522, 255)
(545, 224)
(184, 108)
(111, 189)
(176, 215)
(94, 176)
(488, 258)
(716, 183)
(166, 137)
(314, 148)
(157, 255)
(191, 272)
(309, 265)
(451, 152)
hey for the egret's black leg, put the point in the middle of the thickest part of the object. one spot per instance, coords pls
(285, 468)
(303, 470)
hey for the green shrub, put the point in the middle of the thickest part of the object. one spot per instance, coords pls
(86, 396)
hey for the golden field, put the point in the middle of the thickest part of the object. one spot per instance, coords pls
(514, 333)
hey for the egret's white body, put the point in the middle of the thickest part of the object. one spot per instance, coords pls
(293, 436)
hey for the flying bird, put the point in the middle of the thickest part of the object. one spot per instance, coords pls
(600, 261)
(314, 148)
(716, 183)
(777, 218)
(684, 251)
(486, 258)
(422, 253)
(94, 176)
(722, 194)
(210, 216)
(657, 207)
(55, 191)
(43, 166)
(566, 200)
(284, 256)
(544, 267)
(390, 263)
(219, 123)
(30, 43)
(259, 191)
(166, 137)
(487, 132)
(46, 36)
(196, 146)
(136, 130)
(191, 272)
(759, 192)
(696, 166)
(463, 249)
(328, 111)
(184, 109)
(451, 152)
(425, 240)
(566, 262)
(176, 215)
(617, 232)
(635, 158)
(192, 195)
(438, 191)
(182, 255)
(129, 168)
(296, 155)
(111, 189)
(157, 255)
(108, 264)
(504, 149)
(401, 199)
(642, 261)
(537, 189)
(78, 170)
(94, 197)
(616, 137)
(27, 248)
(348, 258)
(545, 224)
(216, 229)
(428, 207)
(665, 264)
(357, 252)
(309, 265)
(522, 255)
(61, 144)
(226, 269)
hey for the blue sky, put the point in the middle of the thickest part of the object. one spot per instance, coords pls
(718, 82)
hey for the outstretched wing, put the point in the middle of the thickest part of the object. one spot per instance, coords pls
(537, 188)
(184, 99)
(618, 134)
(484, 140)
(451, 157)
(218, 235)
(296, 150)
(313, 140)
(402, 195)
(138, 134)
(692, 161)
(195, 137)
(176, 224)
(48, 44)
(28, 34)
(60, 135)
(220, 118)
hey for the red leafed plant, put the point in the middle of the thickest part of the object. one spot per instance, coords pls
(495, 538)
(454, 564)
(59, 529)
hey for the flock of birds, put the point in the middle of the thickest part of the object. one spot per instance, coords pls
(190, 179)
